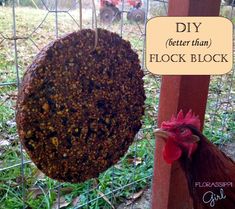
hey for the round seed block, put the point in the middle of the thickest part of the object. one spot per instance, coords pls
(79, 108)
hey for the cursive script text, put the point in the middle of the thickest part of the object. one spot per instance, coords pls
(211, 198)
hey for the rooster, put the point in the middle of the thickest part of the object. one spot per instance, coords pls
(209, 172)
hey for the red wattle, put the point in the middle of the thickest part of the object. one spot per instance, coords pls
(171, 152)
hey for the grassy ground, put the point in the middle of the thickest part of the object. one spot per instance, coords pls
(40, 191)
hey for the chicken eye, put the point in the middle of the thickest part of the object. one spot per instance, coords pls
(183, 130)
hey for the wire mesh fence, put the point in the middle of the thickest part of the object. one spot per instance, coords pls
(23, 32)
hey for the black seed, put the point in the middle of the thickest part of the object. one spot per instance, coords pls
(114, 115)
(50, 91)
(52, 134)
(101, 104)
(52, 105)
(101, 134)
(136, 128)
(55, 152)
(91, 86)
(49, 54)
(97, 86)
(124, 144)
(64, 121)
(130, 75)
(69, 142)
(89, 134)
(61, 107)
(29, 146)
(96, 56)
(110, 73)
(50, 102)
(73, 110)
(36, 122)
(59, 46)
(32, 95)
(101, 121)
(31, 137)
(68, 175)
(84, 158)
(111, 133)
(39, 165)
(109, 156)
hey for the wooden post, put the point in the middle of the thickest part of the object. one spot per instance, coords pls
(170, 189)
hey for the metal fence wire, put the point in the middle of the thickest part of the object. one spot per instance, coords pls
(23, 32)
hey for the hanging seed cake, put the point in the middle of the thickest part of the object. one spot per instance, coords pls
(79, 109)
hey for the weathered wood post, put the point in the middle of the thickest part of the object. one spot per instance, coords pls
(179, 92)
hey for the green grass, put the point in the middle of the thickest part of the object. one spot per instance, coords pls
(121, 174)
(7, 111)
(6, 114)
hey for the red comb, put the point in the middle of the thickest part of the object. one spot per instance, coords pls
(189, 119)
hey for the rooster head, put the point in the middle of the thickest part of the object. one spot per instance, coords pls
(178, 136)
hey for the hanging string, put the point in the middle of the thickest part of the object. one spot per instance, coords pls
(95, 18)
(80, 13)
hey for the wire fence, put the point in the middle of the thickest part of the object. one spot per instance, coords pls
(23, 32)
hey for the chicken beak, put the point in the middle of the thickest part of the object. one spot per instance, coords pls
(161, 134)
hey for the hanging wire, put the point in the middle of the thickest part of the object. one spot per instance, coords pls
(228, 103)
(165, 5)
(95, 22)
(92, 17)
(56, 18)
(133, 175)
(231, 14)
(87, 194)
(80, 13)
(58, 195)
(144, 42)
(121, 32)
(18, 85)
(112, 184)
